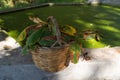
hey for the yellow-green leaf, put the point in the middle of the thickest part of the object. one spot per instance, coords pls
(22, 36)
(70, 30)
(92, 43)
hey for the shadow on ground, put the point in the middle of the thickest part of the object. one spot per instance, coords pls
(14, 57)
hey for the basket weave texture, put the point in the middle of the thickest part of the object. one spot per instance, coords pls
(51, 59)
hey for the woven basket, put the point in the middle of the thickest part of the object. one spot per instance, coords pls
(51, 59)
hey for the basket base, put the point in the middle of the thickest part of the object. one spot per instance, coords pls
(51, 59)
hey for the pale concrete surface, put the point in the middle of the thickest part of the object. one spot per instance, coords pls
(104, 65)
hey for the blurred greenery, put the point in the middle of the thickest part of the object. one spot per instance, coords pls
(104, 18)
(8, 4)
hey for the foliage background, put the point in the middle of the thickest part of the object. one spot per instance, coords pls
(22, 3)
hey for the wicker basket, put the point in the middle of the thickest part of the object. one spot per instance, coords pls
(51, 59)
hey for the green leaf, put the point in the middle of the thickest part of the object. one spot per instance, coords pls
(75, 52)
(47, 43)
(75, 57)
(25, 50)
(35, 36)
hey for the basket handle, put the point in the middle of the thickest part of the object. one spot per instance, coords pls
(57, 29)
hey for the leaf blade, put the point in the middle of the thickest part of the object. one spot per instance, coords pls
(35, 36)
(75, 51)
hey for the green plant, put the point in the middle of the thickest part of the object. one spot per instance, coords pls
(50, 34)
